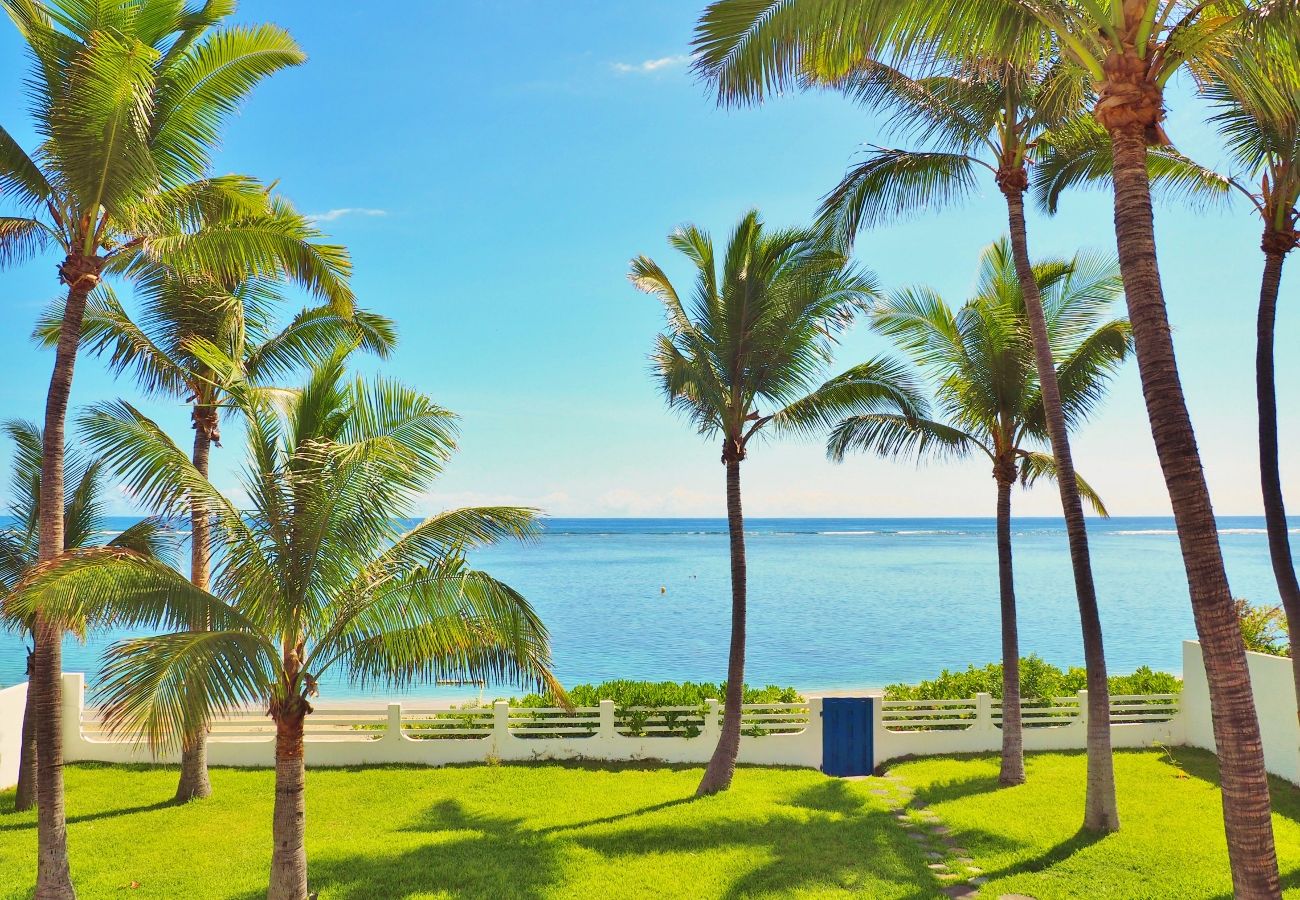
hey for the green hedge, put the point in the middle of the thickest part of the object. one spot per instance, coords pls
(655, 694)
(1039, 680)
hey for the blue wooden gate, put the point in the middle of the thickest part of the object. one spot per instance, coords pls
(846, 736)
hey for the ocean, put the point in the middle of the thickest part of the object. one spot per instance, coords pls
(833, 603)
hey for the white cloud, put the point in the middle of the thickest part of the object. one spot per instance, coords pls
(645, 67)
(333, 214)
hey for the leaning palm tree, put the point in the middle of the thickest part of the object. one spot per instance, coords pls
(129, 99)
(995, 116)
(83, 513)
(315, 576)
(191, 339)
(1256, 110)
(742, 357)
(1258, 101)
(1130, 49)
(981, 360)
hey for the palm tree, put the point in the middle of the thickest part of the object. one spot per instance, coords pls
(191, 340)
(1257, 114)
(994, 116)
(129, 99)
(741, 357)
(83, 514)
(1258, 100)
(1130, 50)
(314, 576)
(981, 359)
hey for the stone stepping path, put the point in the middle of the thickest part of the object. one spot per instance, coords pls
(951, 865)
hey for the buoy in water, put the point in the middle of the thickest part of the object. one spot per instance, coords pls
(663, 590)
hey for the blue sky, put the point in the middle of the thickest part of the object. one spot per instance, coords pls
(493, 166)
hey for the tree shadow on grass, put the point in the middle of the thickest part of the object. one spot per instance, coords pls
(1053, 856)
(91, 817)
(826, 836)
(1204, 765)
(476, 856)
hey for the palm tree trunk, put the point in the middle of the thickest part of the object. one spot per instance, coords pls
(1013, 750)
(25, 795)
(194, 783)
(53, 879)
(1101, 812)
(722, 765)
(1246, 812)
(289, 819)
(1270, 473)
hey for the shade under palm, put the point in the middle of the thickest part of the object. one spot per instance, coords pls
(315, 576)
(744, 354)
(980, 359)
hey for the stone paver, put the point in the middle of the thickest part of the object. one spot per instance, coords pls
(960, 891)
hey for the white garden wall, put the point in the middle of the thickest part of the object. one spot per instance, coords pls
(1275, 704)
(12, 701)
(397, 733)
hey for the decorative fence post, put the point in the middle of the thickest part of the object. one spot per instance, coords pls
(393, 731)
(1083, 708)
(500, 727)
(712, 720)
(984, 713)
(605, 730)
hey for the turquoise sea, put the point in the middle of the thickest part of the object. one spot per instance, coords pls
(834, 603)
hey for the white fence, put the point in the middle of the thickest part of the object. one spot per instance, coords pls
(774, 734)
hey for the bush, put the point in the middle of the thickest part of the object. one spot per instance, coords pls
(1039, 680)
(1263, 628)
(655, 694)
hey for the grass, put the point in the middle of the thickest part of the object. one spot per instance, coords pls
(610, 831)
(1027, 839)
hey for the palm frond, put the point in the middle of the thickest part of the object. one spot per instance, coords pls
(1034, 466)
(892, 185)
(879, 385)
(22, 239)
(893, 436)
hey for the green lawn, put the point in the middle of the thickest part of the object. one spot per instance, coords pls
(551, 830)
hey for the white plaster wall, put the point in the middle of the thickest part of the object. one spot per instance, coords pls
(984, 736)
(12, 701)
(391, 746)
(1275, 704)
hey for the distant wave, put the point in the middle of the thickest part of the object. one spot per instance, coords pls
(1171, 531)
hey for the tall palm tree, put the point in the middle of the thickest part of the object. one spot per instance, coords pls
(1254, 95)
(315, 576)
(83, 513)
(981, 360)
(742, 357)
(991, 115)
(191, 339)
(1130, 49)
(1258, 101)
(129, 99)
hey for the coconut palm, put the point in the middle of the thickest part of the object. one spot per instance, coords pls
(981, 360)
(1254, 96)
(742, 357)
(190, 340)
(990, 115)
(315, 576)
(129, 99)
(83, 509)
(1130, 50)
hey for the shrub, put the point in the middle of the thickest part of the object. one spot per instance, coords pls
(1039, 680)
(1263, 628)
